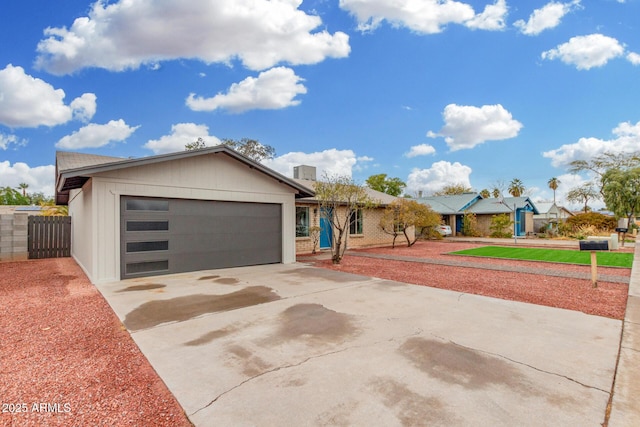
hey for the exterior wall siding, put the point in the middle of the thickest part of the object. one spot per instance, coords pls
(211, 177)
(82, 230)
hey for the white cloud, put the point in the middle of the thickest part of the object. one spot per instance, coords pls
(634, 58)
(26, 101)
(271, 90)
(331, 162)
(424, 16)
(548, 16)
(627, 140)
(39, 178)
(181, 135)
(128, 33)
(586, 52)
(467, 126)
(492, 18)
(439, 175)
(420, 150)
(84, 107)
(94, 135)
(6, 140)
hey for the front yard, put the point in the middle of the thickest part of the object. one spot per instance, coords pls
(533, 282)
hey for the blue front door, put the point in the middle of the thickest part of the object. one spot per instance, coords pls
(326, 232)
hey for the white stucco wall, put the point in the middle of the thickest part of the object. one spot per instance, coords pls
(82, 230)
(206, 177)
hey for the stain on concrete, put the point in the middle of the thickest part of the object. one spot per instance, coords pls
(294, 382)
(455, 364)
(227, 280)
(251, 365)
(211, 336)
(339, 415)
(304, 273)
(411, 408)
(208, 277)
(315, 322)
(183, 308)
(145, 287)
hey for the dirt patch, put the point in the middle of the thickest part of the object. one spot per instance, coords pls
(608, 299)
(63, 346)
(145, 287)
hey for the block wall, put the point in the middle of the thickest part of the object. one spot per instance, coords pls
(13, 237)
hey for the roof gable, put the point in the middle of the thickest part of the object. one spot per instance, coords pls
(73, 170)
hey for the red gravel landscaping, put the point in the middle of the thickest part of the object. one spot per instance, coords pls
(608, 299)
(66, 358)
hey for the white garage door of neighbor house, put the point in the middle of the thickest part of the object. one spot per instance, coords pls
(164, 236)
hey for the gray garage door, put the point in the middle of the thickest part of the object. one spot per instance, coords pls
(162, 236)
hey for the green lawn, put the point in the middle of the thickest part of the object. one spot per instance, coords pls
(609, 259)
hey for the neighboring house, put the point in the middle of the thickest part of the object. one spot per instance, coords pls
(550, 215)
(11, 209)
(178, 212)
(364, 227)
(453, 208)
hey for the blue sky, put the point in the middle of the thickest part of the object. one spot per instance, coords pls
(433, 92)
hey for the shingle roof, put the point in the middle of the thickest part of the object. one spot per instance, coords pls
(73, 170)
(451, 204)
(497, 206)
(381, 198)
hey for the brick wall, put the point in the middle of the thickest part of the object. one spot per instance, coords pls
(13, 236)
(372, 234)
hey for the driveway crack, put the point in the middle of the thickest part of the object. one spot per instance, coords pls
(277, 368)
(533, 367)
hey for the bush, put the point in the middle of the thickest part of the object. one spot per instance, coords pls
(500, 226)
(470, 225)
(598, 222)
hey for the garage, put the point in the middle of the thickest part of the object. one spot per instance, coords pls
(162, 236)
(177, 212)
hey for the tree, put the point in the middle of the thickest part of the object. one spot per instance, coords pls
(402, 214)
(516, 187)
(553, 184)
(621, 191)
(195, 145)
(380, 182)
(453, 189)
(11, 196)
(485, 193)
(496, 192)
(582, 195)
(340, 198)
(599, 165)
(23, 186)
(251, 148)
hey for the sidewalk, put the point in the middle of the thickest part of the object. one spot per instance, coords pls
(625, 407)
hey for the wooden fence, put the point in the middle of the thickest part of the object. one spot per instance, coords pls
(49, 236)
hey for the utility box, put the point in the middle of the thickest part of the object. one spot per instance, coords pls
(594, 245)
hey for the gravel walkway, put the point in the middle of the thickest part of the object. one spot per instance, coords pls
(546, 271)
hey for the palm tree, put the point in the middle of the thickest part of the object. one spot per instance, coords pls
(516, 187)
(553, 184)
(496, 192)
(485, 193)
(23, 186)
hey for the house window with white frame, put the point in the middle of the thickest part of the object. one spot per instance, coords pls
(355, 222)
(302, 221)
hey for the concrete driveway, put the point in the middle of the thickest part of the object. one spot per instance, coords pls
(298, 345)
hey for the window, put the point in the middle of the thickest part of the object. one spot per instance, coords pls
(147, 205)
(147, 225)
(161, 245)
(355, 222)
(302, 221)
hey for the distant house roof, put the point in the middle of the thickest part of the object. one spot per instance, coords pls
(9, 209)
(496, 206)
(378, 196)
(453, 204)
(546, 208)
(73, 170)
